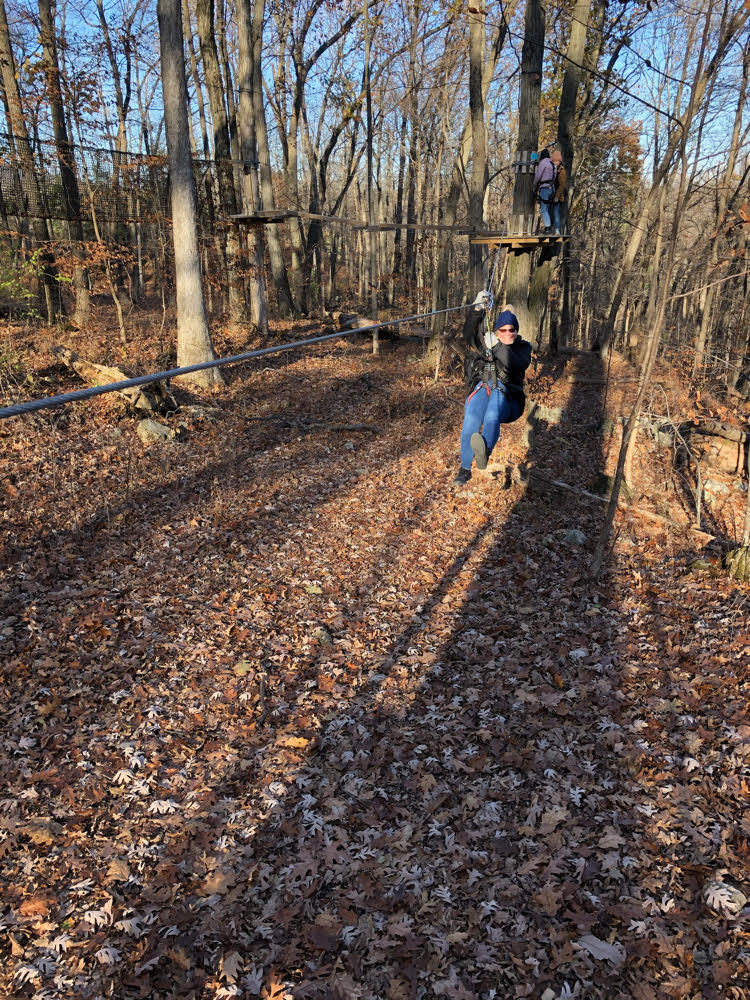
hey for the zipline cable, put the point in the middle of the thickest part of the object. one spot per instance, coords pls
(32, 405)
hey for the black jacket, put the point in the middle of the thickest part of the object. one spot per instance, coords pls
(508, 362)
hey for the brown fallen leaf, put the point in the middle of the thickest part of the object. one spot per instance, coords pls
(610, 839)
(119, 870)
(276, 988)
(399, 989)
(294, 742)
(722, 972)
(230, 966)
(43, 831)
(35, 906)
(548, 900)
(218, 882)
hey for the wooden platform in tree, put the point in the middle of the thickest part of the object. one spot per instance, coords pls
(520, 242)
(271, 216)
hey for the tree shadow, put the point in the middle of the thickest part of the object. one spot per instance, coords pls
(366, 840)
(355, 877)
(440, 798)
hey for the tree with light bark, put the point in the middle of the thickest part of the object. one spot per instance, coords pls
(193, 337)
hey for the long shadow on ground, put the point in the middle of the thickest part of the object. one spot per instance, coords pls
(443, 796)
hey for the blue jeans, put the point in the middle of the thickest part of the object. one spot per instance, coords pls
(546, 191)
(557, 215)
(486, 409)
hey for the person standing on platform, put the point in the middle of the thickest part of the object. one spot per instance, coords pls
(544, 189)
(559, 203)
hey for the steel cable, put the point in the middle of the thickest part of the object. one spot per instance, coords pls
(33, 405)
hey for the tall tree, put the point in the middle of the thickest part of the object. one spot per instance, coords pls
(122, 87)
(574, 70)
(478, 179)
(456, 187)
(22, 146)
(292, 40)
(722, 200)
(649, 360)
(371, 255)
(187, 27)
(572, 76)
(284, 301)
(65, 160)
(519, 261)
(249, 155)
(193, 337)
(223, 153)
(412, 159)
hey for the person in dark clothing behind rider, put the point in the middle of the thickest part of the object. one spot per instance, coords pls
(495, 365)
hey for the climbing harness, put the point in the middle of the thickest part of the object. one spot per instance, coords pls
(548, 185)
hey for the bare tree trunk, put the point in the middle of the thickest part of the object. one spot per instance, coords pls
(291, 147)
(538, 298)
(571, 82)
(574, 70)
(519, 261)
(234, 138)
(644, 317)
(450, 205)
(223, 151)
(477, 16)
(17, 122)
(645, 380)
(746, 527)
(66, 162)
(193, 337)
(725, 186)
(398, 215)
(411, 199)
(647, 369)
(284, 302)
(249, 154)
(371, 258)
(123, 93)
(188, 29)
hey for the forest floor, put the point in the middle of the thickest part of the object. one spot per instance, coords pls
(285, 714)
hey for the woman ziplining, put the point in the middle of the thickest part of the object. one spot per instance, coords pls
(495, 366)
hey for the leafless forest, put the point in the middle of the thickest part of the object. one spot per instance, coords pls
(286, 714)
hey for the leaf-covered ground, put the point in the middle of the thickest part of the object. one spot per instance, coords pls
(285, 715)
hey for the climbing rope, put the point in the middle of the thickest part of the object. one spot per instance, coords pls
(32, 405)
